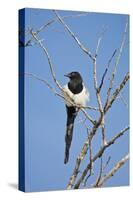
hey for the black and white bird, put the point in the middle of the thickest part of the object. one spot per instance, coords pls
(77, 91)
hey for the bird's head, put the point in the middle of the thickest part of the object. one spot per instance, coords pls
(74, 76)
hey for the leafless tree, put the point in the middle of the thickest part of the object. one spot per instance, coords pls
(79, 178)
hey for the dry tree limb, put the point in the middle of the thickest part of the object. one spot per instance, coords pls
(28, 43)
(99, 97)
(95, 78)
(56, 19)
(98, 155)
(48, 58)
(86, 51)
(113, 171)
(96, 87)
(116, 63)
(86, 115)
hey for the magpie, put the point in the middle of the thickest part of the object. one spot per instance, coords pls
(77, 91)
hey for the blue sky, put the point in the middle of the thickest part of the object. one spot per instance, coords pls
(45, 114)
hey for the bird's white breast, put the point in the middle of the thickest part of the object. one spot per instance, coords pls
(80, 99)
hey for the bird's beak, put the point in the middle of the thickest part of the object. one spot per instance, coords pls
(67, 75)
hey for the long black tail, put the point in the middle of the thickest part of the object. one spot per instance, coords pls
(71, 115)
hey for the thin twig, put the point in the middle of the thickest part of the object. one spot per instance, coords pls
(103, 132)
(99, 40)
(91, 156)
(113, 171)
(100, 173)
(82, 121)
(45, 82)
(122, 98)
(106, 70)
(116, 93)
(102, 168)
(91, 108)
(107, 162)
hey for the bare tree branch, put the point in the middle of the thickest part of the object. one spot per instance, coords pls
(87, 51)
(116, 63)
(96, 87)
(99, 41)
(98, 94)
(87, 116)
(26, 32)
(48, 58)
(113, 171)
(98, 155)
(56, 19)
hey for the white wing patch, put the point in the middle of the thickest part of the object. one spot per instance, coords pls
(80, 99)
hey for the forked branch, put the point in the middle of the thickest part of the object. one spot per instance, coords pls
(113, 171)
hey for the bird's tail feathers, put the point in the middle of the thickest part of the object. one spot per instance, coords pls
(69, 132)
